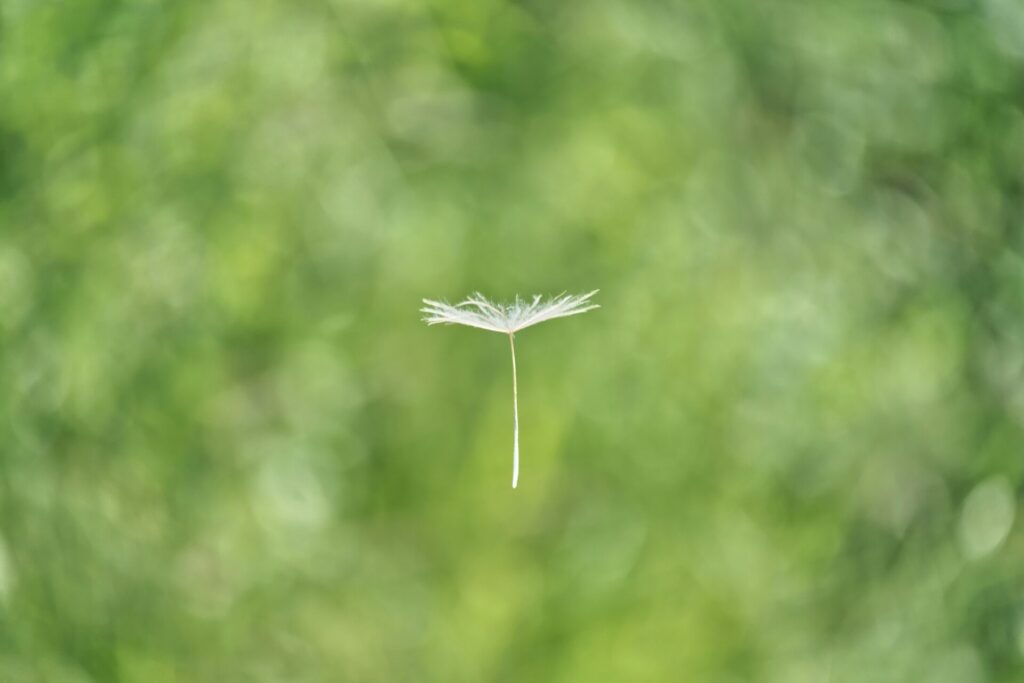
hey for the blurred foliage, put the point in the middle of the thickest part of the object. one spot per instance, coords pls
(788, 448)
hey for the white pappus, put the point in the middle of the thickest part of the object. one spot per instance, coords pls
(477, 311)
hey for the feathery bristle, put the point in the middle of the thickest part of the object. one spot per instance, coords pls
(478, 311)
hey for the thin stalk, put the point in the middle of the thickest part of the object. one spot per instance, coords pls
(515, 414)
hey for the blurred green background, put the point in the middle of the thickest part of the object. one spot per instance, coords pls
(788, 448)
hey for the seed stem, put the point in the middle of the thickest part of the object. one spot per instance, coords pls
(515, 414)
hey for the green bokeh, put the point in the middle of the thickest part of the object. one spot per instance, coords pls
(788, 448)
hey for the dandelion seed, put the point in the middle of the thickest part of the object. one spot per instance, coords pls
(477, 311)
